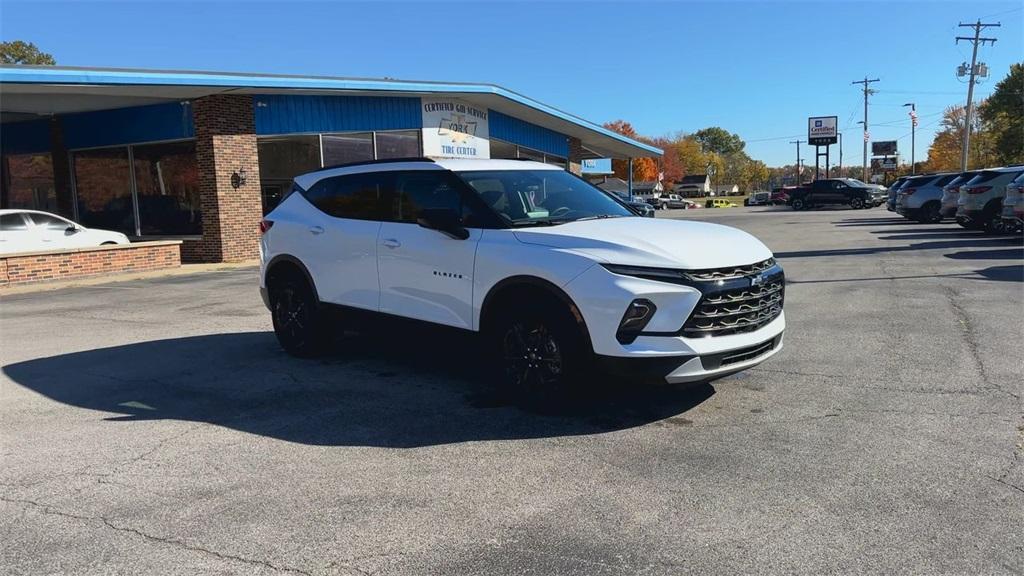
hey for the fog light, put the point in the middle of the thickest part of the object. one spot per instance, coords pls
(638, 314)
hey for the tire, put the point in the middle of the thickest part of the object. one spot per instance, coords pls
(857, 203)
(539, 352)
(993, 222)
(299, 322)
(930, 213)
(798, 204)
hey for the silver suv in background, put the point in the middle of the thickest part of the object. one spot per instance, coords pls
(951, 193)
(980, 205)
(920, 198)
(1013, 205)
(894, 189)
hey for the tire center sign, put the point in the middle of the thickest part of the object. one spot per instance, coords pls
(822, 130)
(454, 129)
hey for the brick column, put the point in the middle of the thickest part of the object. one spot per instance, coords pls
(226, 143)
(575, 156)
(61, 169)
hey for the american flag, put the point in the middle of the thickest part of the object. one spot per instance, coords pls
(913, 118)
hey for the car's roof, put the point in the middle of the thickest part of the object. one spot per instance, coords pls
(455, 165)
(27, 211)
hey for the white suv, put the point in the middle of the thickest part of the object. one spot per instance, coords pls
(551, 270)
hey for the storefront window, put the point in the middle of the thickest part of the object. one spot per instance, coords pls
(501, 149)
(29, 182)
(404, 144)
(167, 187)
(556, 160)
(103, 189)
(345, 148)
(531, 154)
(284, 158)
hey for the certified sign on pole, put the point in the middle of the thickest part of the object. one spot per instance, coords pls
(822, 130)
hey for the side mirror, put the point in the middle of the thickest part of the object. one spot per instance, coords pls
(71, 230)
(445, 221)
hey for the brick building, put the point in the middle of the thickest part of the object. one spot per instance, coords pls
(199, 157)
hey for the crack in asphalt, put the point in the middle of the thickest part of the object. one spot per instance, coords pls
(969, 336)
(54, 511)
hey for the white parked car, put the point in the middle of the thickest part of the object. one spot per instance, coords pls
(1013, 205)
(31, 231)
(549, 269)
(980, 204)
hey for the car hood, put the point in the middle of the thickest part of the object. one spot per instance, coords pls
(659, 242)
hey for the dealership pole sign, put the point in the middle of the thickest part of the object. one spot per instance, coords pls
(883, 148)
(454, 129)
(822, 130)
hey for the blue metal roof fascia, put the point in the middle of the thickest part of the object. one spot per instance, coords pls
(36, 75)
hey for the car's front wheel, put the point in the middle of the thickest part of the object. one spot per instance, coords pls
(540, 352)
(857, 203)
(799, 204)
(299, 323)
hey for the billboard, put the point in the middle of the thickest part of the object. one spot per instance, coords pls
(883, 148)
(888, 164)
(822, 130)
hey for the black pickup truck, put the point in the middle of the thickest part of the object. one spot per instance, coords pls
(848, 191)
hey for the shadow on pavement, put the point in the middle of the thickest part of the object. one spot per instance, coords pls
(1002, 254)
(1004, 273)
(970, 242)
(393, 392)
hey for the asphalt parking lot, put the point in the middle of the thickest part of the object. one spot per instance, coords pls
(154, 427)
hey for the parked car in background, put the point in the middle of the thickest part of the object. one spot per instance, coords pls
(832, 191)
(980, 205)
(32, 230)
(951, 193)
(879, 194)
(758, 199)
(893, 190)
(920, 198)
(641, 207)
(1013, 205)
(781, 195)
(672, 201)
(718, 203)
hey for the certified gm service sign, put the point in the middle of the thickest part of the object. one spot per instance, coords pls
(821, 130)
(454, 129)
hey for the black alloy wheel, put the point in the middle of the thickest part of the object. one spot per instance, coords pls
(539, 354)
(993, 222)
(799, 204)
(298, 322)
(931, 213)
(857, 203)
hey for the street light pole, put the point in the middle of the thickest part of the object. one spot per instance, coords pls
(798, 170)
(867, 92)
(840, 154)
(913, 128)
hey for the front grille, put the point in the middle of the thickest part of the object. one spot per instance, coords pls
(737, 310)
(721, 360)
(731, 271)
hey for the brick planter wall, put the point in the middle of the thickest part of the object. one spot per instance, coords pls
(25, 267)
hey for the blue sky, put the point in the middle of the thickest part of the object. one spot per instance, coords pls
(755, 68)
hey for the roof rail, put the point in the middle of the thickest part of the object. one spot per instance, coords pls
(379, 161)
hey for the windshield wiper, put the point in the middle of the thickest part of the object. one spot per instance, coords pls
(596, 217)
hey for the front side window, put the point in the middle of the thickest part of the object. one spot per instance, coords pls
(429, 189)
(50, 222)
(541, 197)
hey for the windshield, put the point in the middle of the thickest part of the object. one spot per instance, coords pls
(542, 197)
(854, 183)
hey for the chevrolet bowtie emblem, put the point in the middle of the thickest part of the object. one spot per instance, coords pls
(757, 280)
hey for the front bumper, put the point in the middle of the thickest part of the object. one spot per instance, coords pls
(689, 368)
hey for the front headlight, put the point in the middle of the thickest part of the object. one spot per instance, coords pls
(647, 273)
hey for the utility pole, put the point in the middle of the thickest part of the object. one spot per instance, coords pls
(978, 27)
(867, 92)
(913, 128)
(840, 154)
(797, 142)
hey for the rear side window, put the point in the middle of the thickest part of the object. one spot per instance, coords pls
(12, 222)
(356, 196)
(984, 177)
(942, 181)
(919, 181)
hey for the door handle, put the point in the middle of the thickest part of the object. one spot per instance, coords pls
(391, 243)
(316, 229)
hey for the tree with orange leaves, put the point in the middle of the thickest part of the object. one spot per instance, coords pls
(644, 169)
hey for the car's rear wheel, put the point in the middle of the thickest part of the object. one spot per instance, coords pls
(992, 222)
(857, 203)
(931, 213)
(299, 323)
(539, 352)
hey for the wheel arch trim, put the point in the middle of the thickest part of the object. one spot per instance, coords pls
(540, 283)
(289, 259)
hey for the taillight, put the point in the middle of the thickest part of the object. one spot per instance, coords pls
(978, 189)
(265, 225)
(908, 191)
